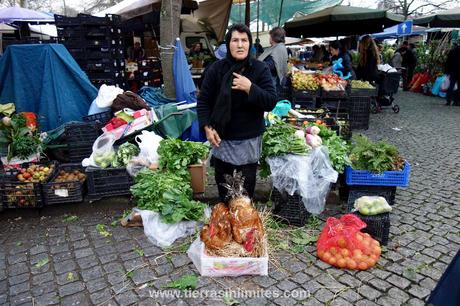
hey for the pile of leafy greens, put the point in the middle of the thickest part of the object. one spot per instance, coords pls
(21, 141)
(168, 194)
(375, 157)
(176, 155)
(338, 152)
(280, 139)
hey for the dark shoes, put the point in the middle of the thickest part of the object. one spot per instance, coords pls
(447, 104)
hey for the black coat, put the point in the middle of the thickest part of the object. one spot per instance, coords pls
(452, 65)
(369, 71)
(247, 115)
(347, 64)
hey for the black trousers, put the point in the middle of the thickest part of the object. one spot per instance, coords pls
(408, 74)
(451, 94)
(222, 168)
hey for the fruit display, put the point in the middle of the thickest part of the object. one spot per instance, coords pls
(332, 82)
(347, 256)
(34, 173)
(357, 84)
(303, 81)
(70, 176)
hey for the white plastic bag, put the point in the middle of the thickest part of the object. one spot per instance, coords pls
(372, 205)
(148, 143)
(163, 234)
(225, 266)
(103, 152)
(310, 176)
(106, 95)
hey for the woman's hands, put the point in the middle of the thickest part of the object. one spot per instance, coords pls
(241, 82)
(212, 136)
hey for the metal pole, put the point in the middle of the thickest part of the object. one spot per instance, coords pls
(247, 16)
(258, 11)
(281, 11)
(65, 8)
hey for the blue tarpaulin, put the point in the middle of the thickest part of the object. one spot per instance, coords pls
(185, 89)
(46, 80)
(392, 32)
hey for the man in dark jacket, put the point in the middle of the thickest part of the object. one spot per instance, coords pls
(409, 63)
(452, 69)
(235, 93)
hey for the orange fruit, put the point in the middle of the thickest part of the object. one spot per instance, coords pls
(342, 263)
(342, 242)
(362, 265)
(345, 253)
(351, 264)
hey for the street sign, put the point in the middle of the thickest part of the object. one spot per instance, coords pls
(405, 28)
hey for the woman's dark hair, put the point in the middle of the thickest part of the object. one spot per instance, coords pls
(241, 28)
(335, 45)
(278, 34)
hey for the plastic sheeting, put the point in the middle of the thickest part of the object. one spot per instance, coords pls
(46, 80)
(308, 175)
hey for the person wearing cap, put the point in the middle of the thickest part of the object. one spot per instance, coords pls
(235, 93)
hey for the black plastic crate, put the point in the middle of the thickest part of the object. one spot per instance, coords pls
(334, 104)
(61, 20)
(100, 119)
(356, 191)
(378, 226)
(117, 52)
(98, 53)
(108, 182)
(305, 94)
(64, 192)
(80, 138)
(16, 194)
(77, 53)
(93, 20)
(113, 19)
(359, 110)
(304, 103)
(343, 123)
(72, 42)
(363, 92)
(97, 43)
(289, 209)
(334, 94)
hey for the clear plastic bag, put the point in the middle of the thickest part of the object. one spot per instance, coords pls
(136, 164)
(103, 152)
(310, 176)
(372, 205)
(148, 143)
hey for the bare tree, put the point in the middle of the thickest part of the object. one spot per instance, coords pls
(414, 7)
(169, 30)
(94, 6)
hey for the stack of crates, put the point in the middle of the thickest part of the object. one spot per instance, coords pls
(96, 44)
(150, 73)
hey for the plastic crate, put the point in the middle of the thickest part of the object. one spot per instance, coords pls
(343, 123)
(334, 104)
(77, 53)
(334, 94)
(93, 20)
(389, 193)
(16, 194)
(108, 182)
(63, 192)
(61, 20)
(363, 92)
(80, 138)
(289, 209)
(100, 119)
(378, 226)
(305, 94)
(98, 53)
(113, 19)
(72, 42)
(387, 178)
(359, 110)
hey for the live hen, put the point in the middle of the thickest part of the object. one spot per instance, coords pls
(218, 232)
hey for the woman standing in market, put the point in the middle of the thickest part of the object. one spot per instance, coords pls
(452, 69)
(337, 51)
(368, 60)
(235, 93)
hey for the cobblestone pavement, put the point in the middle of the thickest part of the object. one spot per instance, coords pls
(45, 260)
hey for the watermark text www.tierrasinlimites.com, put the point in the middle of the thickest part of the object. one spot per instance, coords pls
(233, 293)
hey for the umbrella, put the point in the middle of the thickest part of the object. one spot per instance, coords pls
(341, 20)
(448, 18)
(185, 88)
(16, 13)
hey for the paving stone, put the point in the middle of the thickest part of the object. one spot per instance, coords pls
(256, 301)
(68, 277)
(91, 273)
(101, 296)
(399, 295)
(286, 285)
(385, 300)
(398, 281)
(142, 276)
(42, 278)
(17, 269)
(21, 299)
(285, 301)
(108, 258)
(79, 244)
(19, 288)
(180, 260)
(415, 302)
(71, 288)
(262, 281)
(81, 253)
(324, 295)
(419, 292)
(14, 280)
(79, 299)
(44, 288)
(37, 250)
(365, 303)
(14, 259)
(300, 278)
(47, 299)
(64, 266)
(96, 285)
(87, 262)
(340, 302)
(163, 269)
(126, 298)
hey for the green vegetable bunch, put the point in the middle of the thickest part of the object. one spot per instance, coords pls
(21, 141)
(176, 155)
(338, 152)
(168, 194)
(376, 157)
(280, 139)
(124, 154)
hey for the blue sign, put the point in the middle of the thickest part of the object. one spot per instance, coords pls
(405, 28)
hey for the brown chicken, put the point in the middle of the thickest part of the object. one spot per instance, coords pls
(246, 224)
(218, 233)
